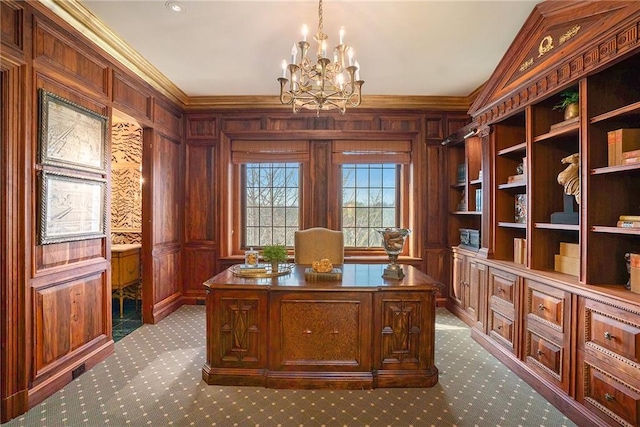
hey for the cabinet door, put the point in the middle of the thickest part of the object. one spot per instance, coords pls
(503, 288)
(477, 302)
(458, 282)
(320, 331)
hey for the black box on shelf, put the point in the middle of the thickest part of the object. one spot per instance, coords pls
(462, 173)
(470, 238)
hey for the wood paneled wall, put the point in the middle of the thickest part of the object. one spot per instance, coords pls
(209, 197)
(55, 314)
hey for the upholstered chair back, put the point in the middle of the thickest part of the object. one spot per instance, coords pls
(315, 244)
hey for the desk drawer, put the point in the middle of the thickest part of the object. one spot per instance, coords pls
(613, 397)
(502, 328)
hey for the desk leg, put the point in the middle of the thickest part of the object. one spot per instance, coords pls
(121, 302)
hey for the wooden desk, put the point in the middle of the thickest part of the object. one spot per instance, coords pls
(125, 269)
(362, 332)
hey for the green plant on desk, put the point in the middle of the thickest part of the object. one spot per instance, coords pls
(274, 254)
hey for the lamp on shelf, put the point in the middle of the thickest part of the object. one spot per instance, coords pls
(323, 85)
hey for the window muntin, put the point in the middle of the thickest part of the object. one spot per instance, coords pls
(370, 200)
(271, 203)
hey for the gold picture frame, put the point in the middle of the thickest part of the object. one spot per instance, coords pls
(70, 135)
(71, 208)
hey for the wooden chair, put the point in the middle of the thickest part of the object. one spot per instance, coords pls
(314, 244)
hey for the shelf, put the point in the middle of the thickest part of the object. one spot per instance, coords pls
(478, 213)
(459, 185)
(627, 110)
(512, 185)
(615, 169)
(571, 129)
(564, 227)
(615, 230)
(513, 149)
(512, 225)
(475, 182)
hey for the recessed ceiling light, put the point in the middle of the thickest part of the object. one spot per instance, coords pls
(174, 6)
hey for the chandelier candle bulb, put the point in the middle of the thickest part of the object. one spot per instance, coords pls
(341, 35)
(284, 68)
(351, 56)
(357, 71)
(305, 31)
(294, 53)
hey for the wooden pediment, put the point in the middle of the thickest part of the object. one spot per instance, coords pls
(560, 42)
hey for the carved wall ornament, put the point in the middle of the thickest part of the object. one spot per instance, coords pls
(545, 45)
(569, 34)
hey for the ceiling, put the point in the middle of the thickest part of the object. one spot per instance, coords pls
(227, 48)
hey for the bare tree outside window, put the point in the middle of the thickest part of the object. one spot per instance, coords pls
(271, 203)
(369, 201)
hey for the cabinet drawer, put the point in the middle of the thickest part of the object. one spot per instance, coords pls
(617, 335)
(544, 353)
(612, 396)
(502, 285)
(544, 306)
(501, 327)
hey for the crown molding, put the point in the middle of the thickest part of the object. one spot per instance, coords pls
(76, 15)
(451, 103)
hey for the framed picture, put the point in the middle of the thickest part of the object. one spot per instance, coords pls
(71, 208)
(70, 135)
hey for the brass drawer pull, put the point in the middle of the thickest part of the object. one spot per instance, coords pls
(541, 307)
(499, 327)
(608, 336)
(608, 397)
(500, 290)
(307, 331)
(539, 352)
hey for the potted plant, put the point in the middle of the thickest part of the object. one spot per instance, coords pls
(274, 254)
(569, 104)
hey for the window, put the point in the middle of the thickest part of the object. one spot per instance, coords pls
(369, 202)
(271, 203)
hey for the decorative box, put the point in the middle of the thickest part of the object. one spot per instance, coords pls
(470, 239)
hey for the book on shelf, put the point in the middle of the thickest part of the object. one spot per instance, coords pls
(516, 178)
(631, 160)
(564, 123)
(619, 141)
(461, 173)
(628, 224)
(568, 260)
(478, 200)
(634, 273)
(519, 250)
(630, 154)
(629, 218)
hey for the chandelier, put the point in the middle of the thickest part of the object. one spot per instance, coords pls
(324, 85)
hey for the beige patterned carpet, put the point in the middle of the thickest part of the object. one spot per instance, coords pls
(154, 379)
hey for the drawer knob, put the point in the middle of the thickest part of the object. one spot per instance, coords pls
(307, 331)
(541, 307)
(500, 290)
(608, 336)
(608, 397)
(499, 327)
(539, 352)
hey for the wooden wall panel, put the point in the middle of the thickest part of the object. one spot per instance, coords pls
(129, 98)
(11, 25)
(166, 275)
(434, 126)
(199, 266)
(433, 186)
(168, 118)
(351, 122)
(53, 48)
(230, 124)
(400, 123)
(456, 122)
(166, 191)
(287, 123)
(201, 127)
(68, 316)
(200, 190)
(55, 255)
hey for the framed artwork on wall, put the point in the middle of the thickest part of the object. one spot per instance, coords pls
(70, 135)
(71, 208)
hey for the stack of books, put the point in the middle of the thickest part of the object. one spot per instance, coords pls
(624, 146)
(634, 273)
(568, 260)
(516, 178)
(257, 268)
(629, 221)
